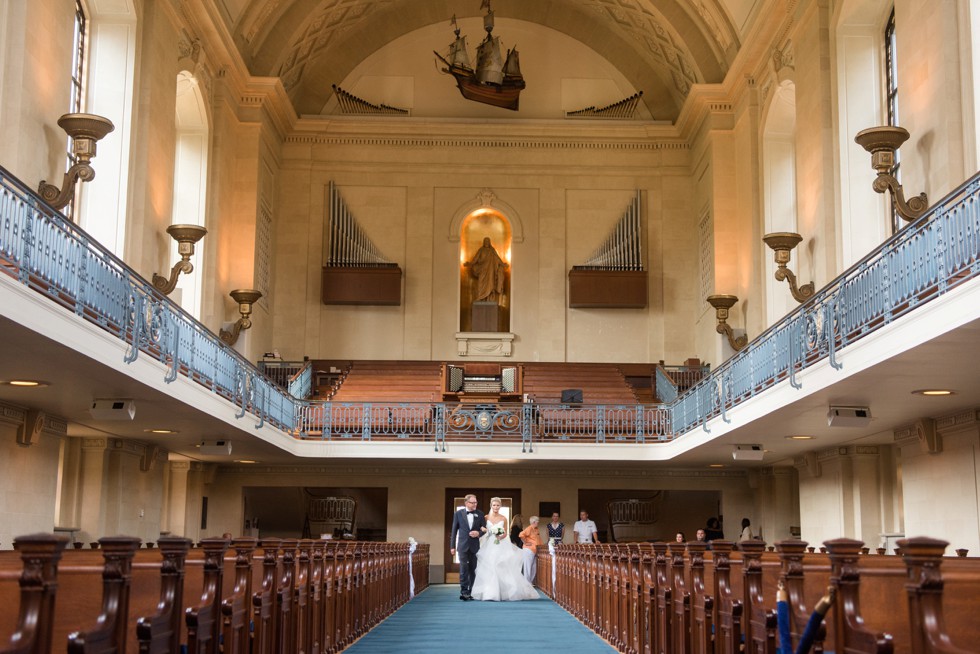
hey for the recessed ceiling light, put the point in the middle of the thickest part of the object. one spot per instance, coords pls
(26, 383)
(800, 437)
(245, 461)
(934, 392)
(161, 431)
(482, 463)
(716, 465)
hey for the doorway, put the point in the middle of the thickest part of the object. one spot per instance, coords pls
(510, 505)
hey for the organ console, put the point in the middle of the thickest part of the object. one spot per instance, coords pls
(482, 382)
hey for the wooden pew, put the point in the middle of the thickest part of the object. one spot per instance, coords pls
(160, 633)
(144, 592)
(40, 554)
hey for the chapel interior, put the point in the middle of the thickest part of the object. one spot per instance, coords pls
(340, 190)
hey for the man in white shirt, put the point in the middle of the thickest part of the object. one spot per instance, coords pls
(585, 529)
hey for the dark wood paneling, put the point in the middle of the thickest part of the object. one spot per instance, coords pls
(362, 286)
(607, 289)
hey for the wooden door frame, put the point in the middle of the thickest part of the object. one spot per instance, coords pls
(483, 496)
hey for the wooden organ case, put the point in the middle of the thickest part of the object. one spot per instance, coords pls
(482, 382)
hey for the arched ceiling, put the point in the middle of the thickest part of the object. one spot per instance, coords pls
(662, 47)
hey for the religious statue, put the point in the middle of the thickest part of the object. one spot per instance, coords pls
(490, 272)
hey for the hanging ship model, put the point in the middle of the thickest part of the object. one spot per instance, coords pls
(495, 81)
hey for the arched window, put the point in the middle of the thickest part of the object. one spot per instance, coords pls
(779, 182)
(860, 80)
(190, 182)
(108, 89)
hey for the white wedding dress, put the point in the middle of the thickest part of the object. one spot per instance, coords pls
(498, 571)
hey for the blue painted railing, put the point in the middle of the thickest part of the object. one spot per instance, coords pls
(923, 261)
(56, 258)
(49, 254)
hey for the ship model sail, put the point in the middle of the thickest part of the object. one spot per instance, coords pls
(496, 80)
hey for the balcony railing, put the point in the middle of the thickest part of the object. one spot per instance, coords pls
(47, 253)
(925, 260)
(51, 255)
(442, 422)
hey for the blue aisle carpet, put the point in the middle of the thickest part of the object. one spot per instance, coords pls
(437, 621)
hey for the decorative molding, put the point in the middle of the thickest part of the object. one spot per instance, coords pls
(469, 471)
(484, 344)
(93, 443)
(488, 142)
(808, 464)
(12, 415)
(180, 465)
(487, 199)
(928, 433)
(150, 456)
(31, 428)
(958, 420)
(188, 47)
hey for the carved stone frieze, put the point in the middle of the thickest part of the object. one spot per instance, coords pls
(495, 142)
(484, 344)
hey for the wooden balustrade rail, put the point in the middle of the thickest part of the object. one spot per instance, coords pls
(269, 597)
(659, 598)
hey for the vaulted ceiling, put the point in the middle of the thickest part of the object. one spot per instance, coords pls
(662, 47)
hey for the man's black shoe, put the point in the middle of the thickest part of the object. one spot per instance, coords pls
(462, 597)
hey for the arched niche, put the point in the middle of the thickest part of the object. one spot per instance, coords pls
(485, 277)
(488, 200)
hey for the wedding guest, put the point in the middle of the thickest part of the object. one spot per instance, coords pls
(713, 530)
(531, 538)
(556, 529)
(585, 529)
(516, 526)
(746, 530)
(679, 537)
(701, 536)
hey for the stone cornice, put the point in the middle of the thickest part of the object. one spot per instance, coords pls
(472, 471)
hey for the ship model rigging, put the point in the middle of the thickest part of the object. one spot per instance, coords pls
(495, 80)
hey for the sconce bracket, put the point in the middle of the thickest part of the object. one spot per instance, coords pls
(800, 293)
(166, 286)
(59, 198)
(737, 343)
(231, 337)
(910, 210)
(721, 304)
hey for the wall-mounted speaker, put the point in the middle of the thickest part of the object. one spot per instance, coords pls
(849, 416)
(216, 448)
(113, 409)
(748, 452)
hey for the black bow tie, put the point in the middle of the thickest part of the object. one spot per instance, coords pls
(471, 513)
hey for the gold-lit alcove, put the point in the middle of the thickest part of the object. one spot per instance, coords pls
(484, 275)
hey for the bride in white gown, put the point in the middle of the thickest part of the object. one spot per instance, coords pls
(498, 571)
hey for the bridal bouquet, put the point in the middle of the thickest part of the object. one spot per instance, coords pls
(496, 532)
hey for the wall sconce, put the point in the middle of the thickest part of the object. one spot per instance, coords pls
(186, 236)
(883, 142)
(782, 243)
(84, 130)
(245, 297)
(721, 304)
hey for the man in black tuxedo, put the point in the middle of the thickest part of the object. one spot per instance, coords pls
(468, 525)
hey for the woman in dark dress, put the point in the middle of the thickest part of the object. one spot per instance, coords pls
(516, 527)
(556, 529)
